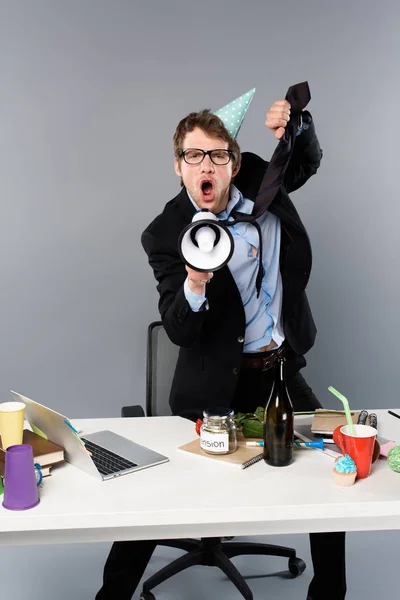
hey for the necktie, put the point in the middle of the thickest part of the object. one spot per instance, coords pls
(298, 97)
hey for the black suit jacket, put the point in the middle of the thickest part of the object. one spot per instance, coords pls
(212, 341)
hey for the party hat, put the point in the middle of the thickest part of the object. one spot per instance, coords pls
(232, 114)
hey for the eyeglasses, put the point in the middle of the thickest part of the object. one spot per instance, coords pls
(194, 156)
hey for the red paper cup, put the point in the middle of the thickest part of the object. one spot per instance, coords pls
(360, 446)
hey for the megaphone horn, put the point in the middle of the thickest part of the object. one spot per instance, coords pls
(205, 245)
(205, 236)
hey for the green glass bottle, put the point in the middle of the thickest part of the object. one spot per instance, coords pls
(278, 421)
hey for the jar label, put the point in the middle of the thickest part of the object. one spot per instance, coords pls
(214, 442)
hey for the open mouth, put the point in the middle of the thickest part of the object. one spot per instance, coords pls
(207, 189)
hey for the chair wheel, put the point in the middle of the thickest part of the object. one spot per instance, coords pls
(147, 596)
(296, 566)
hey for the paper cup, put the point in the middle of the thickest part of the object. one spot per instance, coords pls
(359, 446)
(11, 423)
(20, 486)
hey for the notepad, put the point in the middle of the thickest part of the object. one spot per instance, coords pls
(325, 421)
(243, 457)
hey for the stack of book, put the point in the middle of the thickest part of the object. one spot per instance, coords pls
(45, 452)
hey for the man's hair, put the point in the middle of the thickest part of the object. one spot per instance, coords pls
(212, 126)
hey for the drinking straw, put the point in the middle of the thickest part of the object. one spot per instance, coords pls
(345, 402)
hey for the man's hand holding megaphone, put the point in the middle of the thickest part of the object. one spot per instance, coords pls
(205, 246)
(197, 281)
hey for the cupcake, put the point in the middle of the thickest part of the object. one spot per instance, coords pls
(345, 470)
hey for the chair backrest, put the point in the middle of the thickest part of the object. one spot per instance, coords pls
(162, 355)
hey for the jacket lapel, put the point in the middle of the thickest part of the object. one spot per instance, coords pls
(185, 206)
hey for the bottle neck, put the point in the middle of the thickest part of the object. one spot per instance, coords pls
(280, 370)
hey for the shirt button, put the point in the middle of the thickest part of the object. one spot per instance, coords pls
(240, 339)
(235, 371)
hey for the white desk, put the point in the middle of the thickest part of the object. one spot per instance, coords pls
(193, 497)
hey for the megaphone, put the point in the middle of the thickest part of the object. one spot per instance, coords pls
(205, 245)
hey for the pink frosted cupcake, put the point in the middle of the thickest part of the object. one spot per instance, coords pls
(345, 470)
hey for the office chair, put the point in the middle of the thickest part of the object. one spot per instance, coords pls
(214, 552)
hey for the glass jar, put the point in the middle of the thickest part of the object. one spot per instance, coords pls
(218, 431)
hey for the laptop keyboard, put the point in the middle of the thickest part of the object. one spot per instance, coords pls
(106, 461)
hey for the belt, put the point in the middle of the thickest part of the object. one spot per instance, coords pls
(262, 362)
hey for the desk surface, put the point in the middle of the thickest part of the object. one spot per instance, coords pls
(192, 496)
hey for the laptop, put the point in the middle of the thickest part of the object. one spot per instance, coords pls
(103, 454)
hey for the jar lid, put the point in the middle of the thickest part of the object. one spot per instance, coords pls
(218, 412)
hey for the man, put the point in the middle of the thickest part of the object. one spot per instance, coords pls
(227, 331)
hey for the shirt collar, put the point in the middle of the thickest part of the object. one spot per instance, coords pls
(235, 202)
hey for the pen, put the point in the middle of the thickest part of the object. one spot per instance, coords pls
(393, 414)
(319, 444)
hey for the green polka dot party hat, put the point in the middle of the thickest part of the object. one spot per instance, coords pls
(232, 114)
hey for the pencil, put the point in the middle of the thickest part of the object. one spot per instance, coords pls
(393, 414)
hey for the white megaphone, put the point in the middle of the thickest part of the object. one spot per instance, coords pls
(205, 245)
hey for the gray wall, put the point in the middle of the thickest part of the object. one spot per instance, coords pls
(90, 94)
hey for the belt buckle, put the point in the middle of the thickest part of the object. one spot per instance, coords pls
(268, 362)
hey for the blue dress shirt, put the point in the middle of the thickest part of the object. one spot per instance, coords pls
(263, 314)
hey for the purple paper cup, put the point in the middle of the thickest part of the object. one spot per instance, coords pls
(20, 487)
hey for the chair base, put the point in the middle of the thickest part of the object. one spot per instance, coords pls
(212, 552)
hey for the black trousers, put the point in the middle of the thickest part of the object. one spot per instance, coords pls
(127, 561)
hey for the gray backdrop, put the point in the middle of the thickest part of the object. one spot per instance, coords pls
(90, 94)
